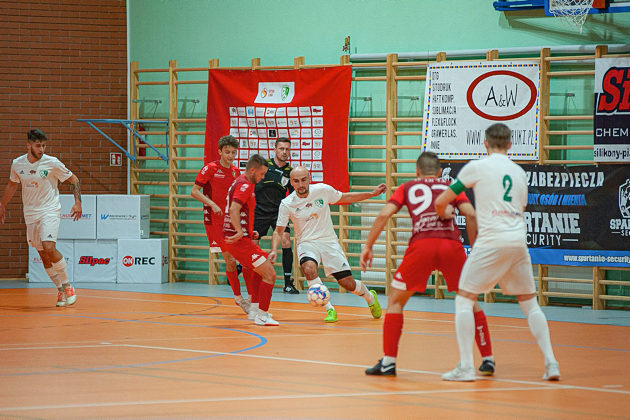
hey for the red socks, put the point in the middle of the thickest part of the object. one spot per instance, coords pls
(234, 282)
(482, 334)
(252, 281)
(264, 295)
(392, 329)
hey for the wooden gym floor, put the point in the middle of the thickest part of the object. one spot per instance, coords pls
(122, 354)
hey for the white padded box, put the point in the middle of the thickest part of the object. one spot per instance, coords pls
(142, 261)
(36, 272)
(95, 260)
(122, 216)
(85, 227)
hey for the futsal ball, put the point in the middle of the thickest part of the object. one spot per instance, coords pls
(318, 295)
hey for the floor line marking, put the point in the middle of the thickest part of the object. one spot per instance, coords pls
(265, 397)
(548, 385)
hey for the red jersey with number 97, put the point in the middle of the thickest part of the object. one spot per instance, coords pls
(419, 195)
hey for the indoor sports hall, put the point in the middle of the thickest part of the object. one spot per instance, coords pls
(134, 96)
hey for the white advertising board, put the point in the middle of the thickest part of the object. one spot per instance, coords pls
(142, 261)
(95, 260)
(122, 216)
(85, 227)
(36, 272)
(462, 99)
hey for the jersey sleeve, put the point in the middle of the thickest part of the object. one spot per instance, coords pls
(204, 176)
(331, 194)
(60, 171)
(13, 176)
(283, 215)
(398, 198)
(469, 175)
(243, 192)
(461, 199)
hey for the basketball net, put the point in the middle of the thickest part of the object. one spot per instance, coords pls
(572, 12)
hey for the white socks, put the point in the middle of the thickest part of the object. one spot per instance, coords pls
(317, 280)
(465, 330)
(388, 360)
(538, 326)
(60, 268)
(361, 290)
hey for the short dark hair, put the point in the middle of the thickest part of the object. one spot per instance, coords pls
(36, 135)
(498, 136)
(428, 163)
(282, 140)
(256, 161)
(228, 141)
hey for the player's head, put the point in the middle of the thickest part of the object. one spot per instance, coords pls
(256, 168)
(498, 137)
(228, 147)
(283, 148)
(428, 164)
(300, 179)
(36, 144)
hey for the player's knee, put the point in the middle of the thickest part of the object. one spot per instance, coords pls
(230, 264)
(345, 279)
(463, 304)
(529, 306)
(49, 247)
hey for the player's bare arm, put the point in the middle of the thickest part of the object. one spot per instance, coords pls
(276, 238)
(353, 197)
(9, 190)
(468, 211)
(75, 185)
(198, 195)
(442, 204)
(379, 224)
(235, 218)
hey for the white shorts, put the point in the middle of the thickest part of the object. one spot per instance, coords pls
(511, 267)
(44, 229)
(329, 254)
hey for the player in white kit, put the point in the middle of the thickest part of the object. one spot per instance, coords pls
(39, 175)
(499, 254)
(317, 243)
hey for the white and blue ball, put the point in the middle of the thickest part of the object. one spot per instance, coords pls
(318, 295)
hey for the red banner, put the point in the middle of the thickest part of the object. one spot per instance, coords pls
(309, 106)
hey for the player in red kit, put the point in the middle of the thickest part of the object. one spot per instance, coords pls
(435, 244)
(239, 234)
(211, 188)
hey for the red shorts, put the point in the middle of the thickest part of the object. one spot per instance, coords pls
(215, 237)
(246, 252)
(426, 255)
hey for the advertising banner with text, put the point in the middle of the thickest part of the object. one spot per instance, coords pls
(577, 215)
(611, 121)
(308, 106)
(461, 99)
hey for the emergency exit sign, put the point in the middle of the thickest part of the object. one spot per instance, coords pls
(115, 159)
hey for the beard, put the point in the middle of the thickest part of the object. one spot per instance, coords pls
(35, 155)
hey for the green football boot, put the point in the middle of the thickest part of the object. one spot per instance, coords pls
(331, 315)
(375, 307)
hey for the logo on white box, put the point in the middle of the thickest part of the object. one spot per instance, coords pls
(128, 261)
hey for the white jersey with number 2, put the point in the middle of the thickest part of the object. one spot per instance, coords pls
(500, 188)
(311, 214)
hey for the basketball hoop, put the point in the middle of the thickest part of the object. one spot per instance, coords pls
(572, 12)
